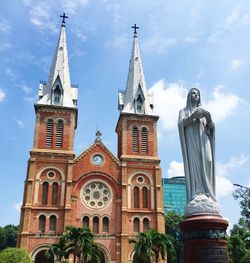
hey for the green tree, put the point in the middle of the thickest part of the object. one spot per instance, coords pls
(8, 236)
(14, 255)
(58, 250)
(142, 246)
(172, 221)
(160, 243)
(246, 258)
(236, 248)
(79, 242)
(243, 194)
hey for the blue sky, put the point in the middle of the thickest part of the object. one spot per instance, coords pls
(184, 44)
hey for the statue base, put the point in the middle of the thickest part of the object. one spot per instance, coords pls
(204, 239)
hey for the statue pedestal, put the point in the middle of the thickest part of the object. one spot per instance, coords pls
(204, 239)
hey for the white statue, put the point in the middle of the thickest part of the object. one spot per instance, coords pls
(197, 137)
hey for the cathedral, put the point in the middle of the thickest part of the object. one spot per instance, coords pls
(115, 196)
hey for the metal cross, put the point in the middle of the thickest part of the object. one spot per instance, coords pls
(98, 135)
(135, 27)
(63, 17)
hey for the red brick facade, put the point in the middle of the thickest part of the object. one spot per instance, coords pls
(116, 198)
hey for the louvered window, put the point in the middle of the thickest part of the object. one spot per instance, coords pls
(45, 189)
(145, 197)
(145, 224)
(136, 197)
(135, 135)
(136, 225)
(144, 140)
(54, 193)
(85, 221)
(105, 224)
(59, 134)
(52, 223)
(42, 223)
(49, 134)
(96, 225)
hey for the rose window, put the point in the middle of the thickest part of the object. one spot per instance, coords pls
(96, 195)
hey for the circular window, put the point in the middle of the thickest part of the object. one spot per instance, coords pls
(50, 174)
(96, 195)
(140, 179)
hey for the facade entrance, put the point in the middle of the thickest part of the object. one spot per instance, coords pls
(41, 257)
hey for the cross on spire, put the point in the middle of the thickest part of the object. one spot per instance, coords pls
(135, 28)
(63, 17)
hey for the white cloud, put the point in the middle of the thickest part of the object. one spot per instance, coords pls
(5, 26)
(237, 19)
(224, 187)
(158, 44)
(71, 6)
(17, 206)
(19, 123)
(236, 64)
(5, 45)
(118, 42)
(79, 34)
(223, 104)
(10, 73)
(168, 100)
(2, 95)
(26, 89)
(223, 169)
(175, 169)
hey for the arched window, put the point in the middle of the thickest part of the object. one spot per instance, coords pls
(105, 224)
(49, 133)
(135, 135)
(45, 189)
(59, 134)
(54, 193)
(145, 197)
(52, 223)
(145, 224)
(42, 223)
(85, 221)
(136, 197)
(144, 140)
(136, 225)
(96, 225)
(57, 95)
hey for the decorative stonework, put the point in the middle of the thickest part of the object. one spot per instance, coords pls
(204, 234)
(96, 194)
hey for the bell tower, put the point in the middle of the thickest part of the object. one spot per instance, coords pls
(46, 207)
(142, 205)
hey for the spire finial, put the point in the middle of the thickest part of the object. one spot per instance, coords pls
(98, 135)
(63, 17)
(135, 28)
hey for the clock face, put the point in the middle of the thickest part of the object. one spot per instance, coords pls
(97, 159)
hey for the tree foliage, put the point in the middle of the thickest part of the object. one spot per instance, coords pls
(239, 239)
(150, 244)
(172, 221)
(8, 236)
(14, 255)
(79, 242)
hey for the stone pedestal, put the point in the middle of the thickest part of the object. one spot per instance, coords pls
(204, 239)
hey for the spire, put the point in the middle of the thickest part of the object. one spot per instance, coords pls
(58, 90)
(135, 99)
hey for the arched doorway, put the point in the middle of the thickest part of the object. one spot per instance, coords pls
(103, 258)
(41, 258)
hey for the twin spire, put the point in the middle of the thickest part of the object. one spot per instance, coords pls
(135, 99)
(59, 92)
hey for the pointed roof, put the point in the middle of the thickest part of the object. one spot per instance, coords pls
(59, 76)
(136, 91)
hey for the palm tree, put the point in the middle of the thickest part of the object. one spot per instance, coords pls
(80, 242)
(58, 250)
(160, 243)
(142, 247)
